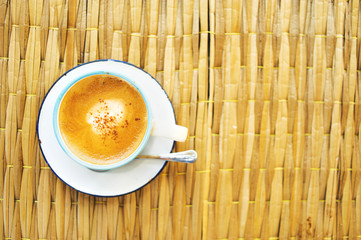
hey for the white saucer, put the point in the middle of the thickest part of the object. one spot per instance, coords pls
(116, 182)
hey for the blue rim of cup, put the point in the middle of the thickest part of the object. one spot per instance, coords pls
(63, 144)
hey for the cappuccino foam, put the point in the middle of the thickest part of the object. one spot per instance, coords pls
(102, 119)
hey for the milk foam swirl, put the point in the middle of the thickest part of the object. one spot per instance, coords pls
(106, 116)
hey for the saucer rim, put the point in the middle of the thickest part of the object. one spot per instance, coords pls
(41, 106)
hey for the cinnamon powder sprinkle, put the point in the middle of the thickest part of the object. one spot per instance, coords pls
(106, 124)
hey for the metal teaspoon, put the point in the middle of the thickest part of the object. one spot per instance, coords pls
(185, 156)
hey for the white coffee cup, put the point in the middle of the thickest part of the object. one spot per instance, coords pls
(154, 128)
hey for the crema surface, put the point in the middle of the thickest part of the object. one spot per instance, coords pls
(102, 119)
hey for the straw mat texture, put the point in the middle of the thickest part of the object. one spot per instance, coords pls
(269, 90)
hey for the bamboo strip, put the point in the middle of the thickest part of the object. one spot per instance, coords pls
(161, 36)
(43, 205)
(163, 206)
(13, 76)
(126, 29)
(46, 213)
(349, 128)
(44, 27)
(60, 209)
(51, 67)
(117, 45)
(37, 167)
(84, 221)
(8, 202)
(335, 138)
(71, 53)
(153, 231)
(72, 232)
(208, 216)
(20, 95)
(3, 103)
(91, 32)
(52, 225)
(187, 223)
(26, 202)
(150, 64)
(11, 142)
(23, 22)
(32, 68)
(169, 54)
(105, 26)
(15, 233)
(4, 28)
(357, 197)
(109, 28)
(248, 116)
(281, 122)
(112, 214)
(12, 189)
(265, 122)
(81, 23)
(99, 229)
(135, 35)
(178, 34)
(352, 233)
(17, 170)
(287, 189)
(129, 214)
(3, 106)
(67, 210)
(120, 226)
(228, 128)
(143, 30)
(63, 22)
(33, 232)
(145, 212)
(208, 163)
(154, 209)
(319, 76)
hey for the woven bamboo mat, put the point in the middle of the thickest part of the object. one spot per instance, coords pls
(269, 90)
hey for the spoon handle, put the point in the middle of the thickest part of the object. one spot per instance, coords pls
(185, 156)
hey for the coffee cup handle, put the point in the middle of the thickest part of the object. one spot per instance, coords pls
(171, 131)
